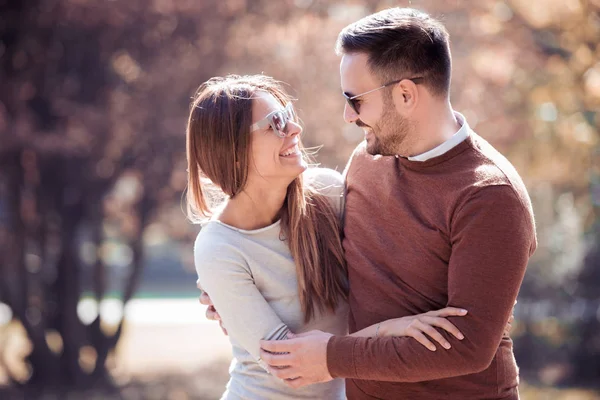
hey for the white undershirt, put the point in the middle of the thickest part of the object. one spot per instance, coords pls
(454, 141)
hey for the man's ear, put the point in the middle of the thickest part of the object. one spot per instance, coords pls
(405, 95)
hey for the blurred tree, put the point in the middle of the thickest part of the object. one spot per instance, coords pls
(88, 151)
(93, 101)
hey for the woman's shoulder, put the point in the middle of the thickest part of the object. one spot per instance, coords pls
(215, 242)
(324, 179)
(329, 183)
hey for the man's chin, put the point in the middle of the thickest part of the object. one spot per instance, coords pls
(373, 148)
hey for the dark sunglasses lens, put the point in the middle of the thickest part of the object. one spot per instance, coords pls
(353, 105)
(278, 121)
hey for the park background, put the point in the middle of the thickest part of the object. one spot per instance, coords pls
(94, 96)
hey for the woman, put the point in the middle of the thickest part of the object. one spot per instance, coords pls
(270, 253)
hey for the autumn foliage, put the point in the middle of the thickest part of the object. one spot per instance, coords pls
(93, 103)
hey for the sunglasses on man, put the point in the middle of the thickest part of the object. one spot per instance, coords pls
(278, 120)
(353, 101)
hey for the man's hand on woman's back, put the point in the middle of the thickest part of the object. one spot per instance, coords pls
(211, 311)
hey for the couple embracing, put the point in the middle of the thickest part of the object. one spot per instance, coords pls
(393, 280)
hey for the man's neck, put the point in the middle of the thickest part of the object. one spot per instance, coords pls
(436, 125)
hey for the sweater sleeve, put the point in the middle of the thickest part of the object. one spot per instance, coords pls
(492, 237)
(223, 273)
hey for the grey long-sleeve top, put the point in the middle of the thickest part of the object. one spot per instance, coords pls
(251, 278)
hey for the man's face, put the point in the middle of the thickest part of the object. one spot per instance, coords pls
(385, 129)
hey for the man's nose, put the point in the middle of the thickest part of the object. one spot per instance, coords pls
(350, 116)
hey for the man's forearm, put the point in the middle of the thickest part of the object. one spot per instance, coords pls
(403, 359)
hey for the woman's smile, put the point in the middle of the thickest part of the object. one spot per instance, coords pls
(291, 151)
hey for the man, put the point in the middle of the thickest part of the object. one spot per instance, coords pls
(434, 217)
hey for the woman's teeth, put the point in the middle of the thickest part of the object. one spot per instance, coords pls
(290, 151)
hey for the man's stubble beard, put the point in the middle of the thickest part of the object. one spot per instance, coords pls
(389, 133)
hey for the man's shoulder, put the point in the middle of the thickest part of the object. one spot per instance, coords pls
(361, 161)
(359, 152)
(490, 168)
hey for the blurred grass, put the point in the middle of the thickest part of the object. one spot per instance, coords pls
(529, 392)
(208, 383)
(144, 373)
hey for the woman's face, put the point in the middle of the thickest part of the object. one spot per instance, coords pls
(273, 158)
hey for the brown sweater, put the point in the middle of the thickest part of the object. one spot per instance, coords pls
(455, 230)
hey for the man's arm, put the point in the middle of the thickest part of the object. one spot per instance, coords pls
(492, 240)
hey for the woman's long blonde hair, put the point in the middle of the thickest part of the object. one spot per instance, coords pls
(218, 148)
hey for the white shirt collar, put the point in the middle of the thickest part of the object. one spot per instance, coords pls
(455, 140)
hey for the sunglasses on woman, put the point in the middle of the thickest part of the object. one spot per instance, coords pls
(353, 101)
(278, 120)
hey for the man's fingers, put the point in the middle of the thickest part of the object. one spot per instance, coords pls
(276, 360)
(299, 335)
(445, 325)
(223, 328)
(296, 383)
(212, 314)
(278, 346)
(205, 299)
(284, 373)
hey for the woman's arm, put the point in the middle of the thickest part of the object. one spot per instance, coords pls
(416, 326)
(243, 311)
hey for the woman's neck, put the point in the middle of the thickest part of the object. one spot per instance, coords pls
(255, 207)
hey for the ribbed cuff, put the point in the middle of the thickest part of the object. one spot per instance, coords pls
(340, 357)
(279, 333)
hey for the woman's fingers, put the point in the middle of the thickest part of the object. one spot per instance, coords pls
(432, 333)
(445, 325)
(508, 326)
(448, 312)
(415, 333)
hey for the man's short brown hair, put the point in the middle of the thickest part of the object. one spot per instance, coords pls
(402, 43)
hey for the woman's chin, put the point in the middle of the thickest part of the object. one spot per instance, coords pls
(296, 170)
(300, 168)
(287, 170)
(294, 162)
